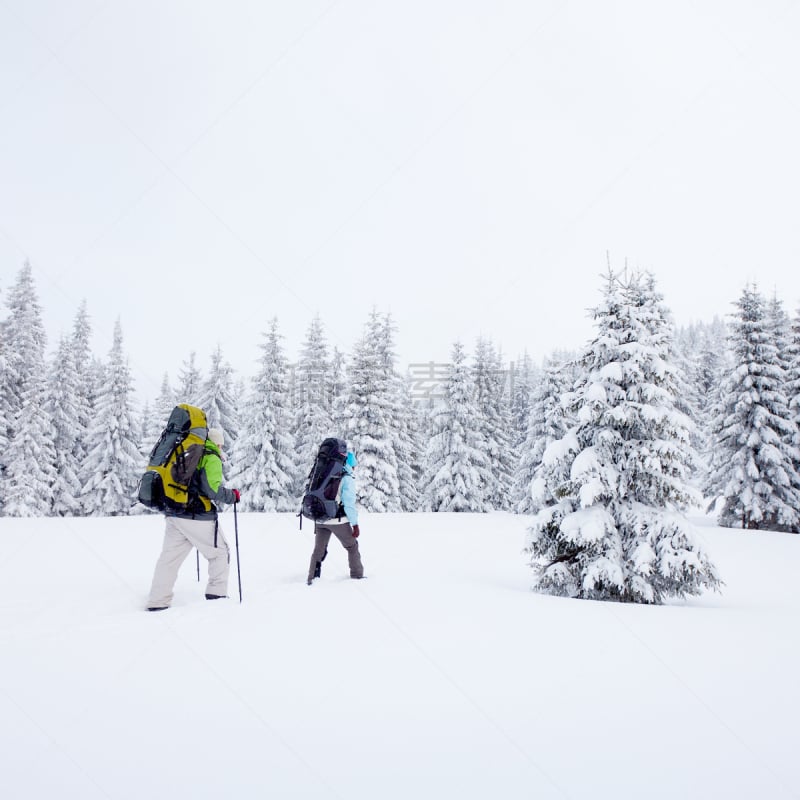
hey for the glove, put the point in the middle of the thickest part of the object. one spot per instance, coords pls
(356, 531)
(236, 495)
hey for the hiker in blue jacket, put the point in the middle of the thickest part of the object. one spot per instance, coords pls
(346, 531)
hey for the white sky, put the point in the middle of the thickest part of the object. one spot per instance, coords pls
(464, 165)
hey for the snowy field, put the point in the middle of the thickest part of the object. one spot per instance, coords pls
(440, 676)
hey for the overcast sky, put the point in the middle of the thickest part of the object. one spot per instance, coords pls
(464, 165)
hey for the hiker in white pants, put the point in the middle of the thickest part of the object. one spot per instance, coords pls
(198, 528)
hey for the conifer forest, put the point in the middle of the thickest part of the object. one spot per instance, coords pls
(600, 450)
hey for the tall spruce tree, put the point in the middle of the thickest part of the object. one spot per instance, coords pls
(409, 448)
(262, 460)
(24, 346)
(4, 413)
(339, 383)
(615, 486)
(547, 423)
(313, 394)
(85, 380)
(401, 419)
(30, 459)
(782, 337)
(688, 345)
(493, 422)
(367, 418)
(3, 449)
(22, 382)
(712, 363)
(190, 382)
(62, 409)
(145, 432)
(754, 479)
(780, 328)
(523, 383)
(217, 398)
(112, 466)
(793, 376)
(156, 419)
(456, 456)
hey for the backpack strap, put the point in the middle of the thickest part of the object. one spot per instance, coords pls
(339, 504)
(195, 501)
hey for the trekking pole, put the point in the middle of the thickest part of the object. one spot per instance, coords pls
(238, 566)
(197, 553)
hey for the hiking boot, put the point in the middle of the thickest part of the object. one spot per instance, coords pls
(157, 608)
(215, 596)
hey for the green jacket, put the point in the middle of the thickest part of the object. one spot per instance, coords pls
(208, 482)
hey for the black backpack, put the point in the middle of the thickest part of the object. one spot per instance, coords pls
(320, 502)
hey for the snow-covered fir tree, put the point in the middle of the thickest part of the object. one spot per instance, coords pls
(401, 420)
(85, 376)
(240, 387)
(4, 427)
(112, 467)
(4, 409)
(687, 343)
(313, 421)
(24, 345)
(339, 384)
(22, 376)
(30, 458)
(493, 422)
(218, 398)
(456, 460)
(547, 423)
(780, 328)
(782, 337)
(614, 487)
(190, 382)
(63, 412)
(793, 376)
(524, 379)
(145, 428)
(165, 402)
(155, 419)
(367, 418)
(712, 362)
(410, 449)
(754, 478)
(262, 462)
(425, 410)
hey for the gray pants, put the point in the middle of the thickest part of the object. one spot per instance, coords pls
(344, 533)
(180, 537)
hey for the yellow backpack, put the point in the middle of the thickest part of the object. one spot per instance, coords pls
(167, 483)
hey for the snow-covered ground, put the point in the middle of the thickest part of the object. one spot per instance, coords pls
(440, 676)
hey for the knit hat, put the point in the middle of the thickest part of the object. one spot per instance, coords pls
(351, 459)
(217, 436)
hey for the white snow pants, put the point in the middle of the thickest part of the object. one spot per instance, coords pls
(180, 537)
